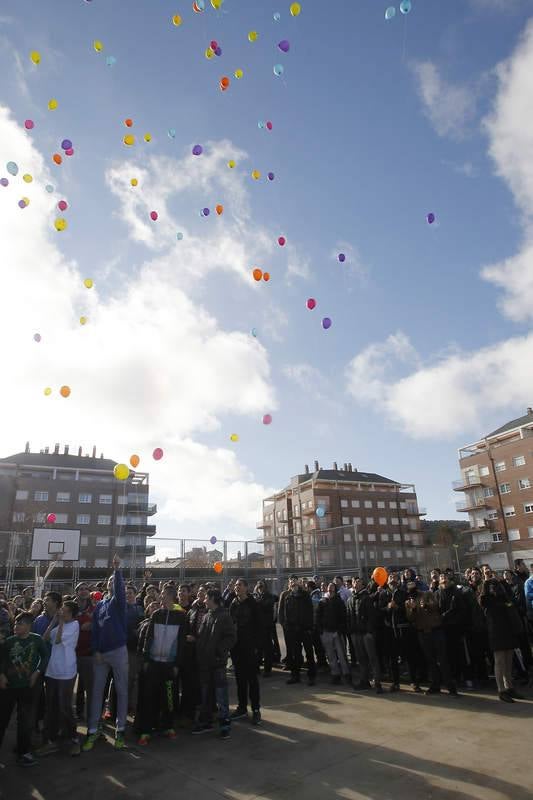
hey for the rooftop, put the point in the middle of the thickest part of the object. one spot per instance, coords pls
(59, 460)
(347, 476)
(527, 419)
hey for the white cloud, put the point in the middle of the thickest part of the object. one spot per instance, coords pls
(449, 107)
(152, 367)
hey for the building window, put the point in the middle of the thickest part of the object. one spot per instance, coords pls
(499, 466)
(497, 537)
(491, 515)
(40, 516)
(85, 498)
(83, 519)
(524, 483)
(371, 537)
(399, 553)
(122, 500)
(355, 503)
(393, 504)
(409, 554)
(396, 537)
(100, 563)
(513, 534)
(528, 508)
(296, 511)
(368, 503)
(509, 511)
(105, 499)
(84, 541)
(22, 494)
(386, 554)
(381, 504)
(347, 537)
(488, 491)
(505, 488)
(370, 520)
(348, 555)
(530, 533)
(395, 520)
(63, 497)
(123, 521)
(384, 537)
(40, 496)
(519, 461)
(346, 520)
(344, 504)
(62, 519)
(371, 554)
(19, 516)
(383, 520)
(484, 471)
(404, 506)
(104, 519)
(102, 541)
(356, 520)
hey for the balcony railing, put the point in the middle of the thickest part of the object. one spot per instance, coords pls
(264, 524)
(412, 511)
(470, 505)
(140, 507)
(466, 483)
(141, 528)
(130, 549)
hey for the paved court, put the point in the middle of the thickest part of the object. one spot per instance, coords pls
(315, 743)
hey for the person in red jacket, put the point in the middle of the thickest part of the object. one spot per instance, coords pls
(83, 650)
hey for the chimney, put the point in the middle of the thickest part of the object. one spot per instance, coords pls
(101, 455)
(66, 450)
(56, 449)
(316, 466)
(46, 450)
(345, 467)
(530, 412)
(94, 451)
(306, 469)
(79, 451)
(350, 466)
(335, 467)
(27, 448)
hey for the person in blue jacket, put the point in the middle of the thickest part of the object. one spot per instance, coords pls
(110, 652)
(528, 590)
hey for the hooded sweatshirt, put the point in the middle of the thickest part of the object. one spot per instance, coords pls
(109, 630)
(165, 636)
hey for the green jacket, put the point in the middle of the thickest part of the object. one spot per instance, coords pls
(19, 658)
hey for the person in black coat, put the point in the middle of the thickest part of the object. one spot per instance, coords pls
(400, 638)
(454, 614)
(362, 627)
(266, 602)
(244, 612)
(331, 623)
(296, 616)
(503, 625)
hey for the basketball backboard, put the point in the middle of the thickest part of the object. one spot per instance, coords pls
(55, 545)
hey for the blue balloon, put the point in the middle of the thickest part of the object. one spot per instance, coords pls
(254, 332)
(278, 70)
(321, 512)
(111, 61)
(172, 133)
(390, 13)
(179, 236)
(405, 6)
(277, 16)
(12, 168)
(49, 188)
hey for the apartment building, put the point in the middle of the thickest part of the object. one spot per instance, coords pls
(342, 519)
(497, 482)
(83, 493)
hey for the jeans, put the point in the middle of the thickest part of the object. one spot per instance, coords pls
(433, 644)
(23, 699)
(214, 690)
(367, 656)
(503, 669)
(295, 639)
(117, 662)
(334, 646)
(245, 664)
(59, 711)
(156, 704)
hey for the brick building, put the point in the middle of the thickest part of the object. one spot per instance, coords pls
(497, 481)
(342, 519)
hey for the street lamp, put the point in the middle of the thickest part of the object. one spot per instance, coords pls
(456, 548)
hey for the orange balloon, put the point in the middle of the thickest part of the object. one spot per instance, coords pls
(218, 567)
(380, 576)
(56, 158)
(128, 122)
(219, 209)
(64, 391)
(224, 82)
(266, 276)
(134, 461)
(258, 274)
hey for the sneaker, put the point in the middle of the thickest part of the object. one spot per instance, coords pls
(432, 690)
(47, 749)
(505, 697)
(416, 688)
(239, 713)
(293, 679)
(143, 739)
(469, 684)
(27, 760)
(120, 742)
(395, 687)
(515, 695)
(256, 717)
(453, 691)
(202, 727)
(107, 715)
(170, 733)
(75, 748)
(89, 742)
(225, 732)
(379, 688)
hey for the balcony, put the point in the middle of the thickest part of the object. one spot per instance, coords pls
(482, 547)
(140, 551)
(140, 528)
(141, 507)
(411, 511)
(264, 524)
(471, 505)
(307, 512)
(466, 483)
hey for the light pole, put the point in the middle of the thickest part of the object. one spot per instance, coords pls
(456, 548)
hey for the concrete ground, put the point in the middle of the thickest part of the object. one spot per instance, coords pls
(315, 743)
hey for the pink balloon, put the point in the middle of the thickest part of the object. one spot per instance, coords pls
(269, 125)
(267, 419)
(157, 454)
(69, 151)
(51, 518)
(311, 303)
(281, 241)
(29, 124)
(153, 215)
(62, 205)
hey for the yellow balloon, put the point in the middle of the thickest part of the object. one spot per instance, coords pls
(256, 174)
(176, 20)
(231, 164)
(98, 45)
(26, 201)
(147, 137)
(134, 182)
(88, 283)
(60, 224)
(83, 320)
(295, 9)
(27, 178)
(35, 57)
(52, 104)
(238, 73)
(216, 3)
(234, 437)
(121, 472)
(129, 140)
(252, 36)
(209, 53)
(47, 391)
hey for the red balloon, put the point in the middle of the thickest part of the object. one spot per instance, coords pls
(311, 303)
(157, 454)
(281, 241)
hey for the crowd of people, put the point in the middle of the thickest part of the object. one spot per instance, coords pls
(157, 658)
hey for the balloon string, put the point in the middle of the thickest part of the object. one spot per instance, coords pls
(404, 36)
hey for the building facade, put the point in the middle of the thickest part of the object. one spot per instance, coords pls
(497, 482)
(344, 520)
(81, 490)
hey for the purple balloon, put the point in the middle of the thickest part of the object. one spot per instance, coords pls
(342, 257)
(430, 218)
(284, 46)
(218, 51)
(213, 539)
(270, 176)
(197, 150)
(4, 182)
(66, 144)
(326, 323)
(205, 212)
(22, 204)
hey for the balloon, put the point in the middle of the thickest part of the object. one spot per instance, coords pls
(134, 182)
(266, 276)
(295, 9)
(49, 188)
(52, 104)
(129, 140)
(134, 461)
(326, 323)
(88, 283)
(64, 391)
(224, 82)
(213, 45)
(258, 274)
(231, 164)
(209, 53)
(147, 137)
(380, 576)
(36, 337)
(60, 224)
(238, 73)
(35, 57)
(205, 212)
(252, 36)
(254, 332)
(22, 203)
(29, 124)
(179, 236)
(62, 205)
(128, 122)
(270, 176)
(121, 472)
(84, 320)
(51, 518)
(56, 158)
(405, 6)
(157, 455)
(390, 13)
(278, 70)
(277, 16)
(12, 168)
(218, 51)
(98, 45)
(341, 257)
(281, 241)
(219, 209)
(198, 6)
(4, 182)
(27, 178)
(218, 567)
(233, 438)
(69, 152)
(171, 133)
(430, 218)
(311, 303)
(111, 61)
(267, 419)
(284, 46)
(256, 174)
(269, 125)
(260, 125)
(216, 4)
(213, 539)
(321, 512)
(197, 150)
(176, 20)
(66, 144)
(47, 391)
(154, 215)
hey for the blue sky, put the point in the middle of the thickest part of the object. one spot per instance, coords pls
(375, 124)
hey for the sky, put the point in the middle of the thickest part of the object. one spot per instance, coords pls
(375, 125)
